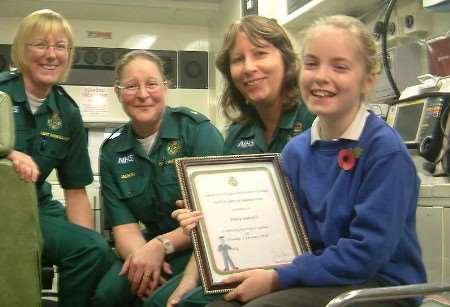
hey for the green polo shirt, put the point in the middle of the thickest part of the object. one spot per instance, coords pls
(54, 136)
(249, 138)
(141, 187)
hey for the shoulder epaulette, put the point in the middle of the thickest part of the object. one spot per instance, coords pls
(197, 116)
(117, 132)
(8, 75)
(61, 91)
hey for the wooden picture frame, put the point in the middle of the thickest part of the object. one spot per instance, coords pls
(250, 219)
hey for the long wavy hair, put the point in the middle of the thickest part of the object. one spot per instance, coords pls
(257, 29)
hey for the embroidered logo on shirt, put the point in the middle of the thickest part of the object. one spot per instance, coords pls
(128, 175)
(16, 109)
(55, 136)
(246, 144)
(298, 127)
(54, 122)
(173, 148)
(126, 159)
(166, 162)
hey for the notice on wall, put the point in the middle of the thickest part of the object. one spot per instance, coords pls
(98, 104)
(94, 101)
(99, 34)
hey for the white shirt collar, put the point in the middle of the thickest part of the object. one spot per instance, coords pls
(148, 142)
(353, 132)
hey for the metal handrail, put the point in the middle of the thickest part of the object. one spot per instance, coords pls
(387, 293)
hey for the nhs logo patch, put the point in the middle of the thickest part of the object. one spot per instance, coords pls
(126, 159)
(246, 144)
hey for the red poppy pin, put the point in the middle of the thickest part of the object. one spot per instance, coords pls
(347, 157)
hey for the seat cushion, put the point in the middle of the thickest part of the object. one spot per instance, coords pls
(20, 240)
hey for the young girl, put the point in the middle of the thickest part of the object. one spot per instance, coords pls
(353, 179)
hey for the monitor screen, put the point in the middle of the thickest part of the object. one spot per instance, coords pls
(407, 120)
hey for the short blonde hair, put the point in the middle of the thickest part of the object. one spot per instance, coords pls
(137, 54)
(42, 22)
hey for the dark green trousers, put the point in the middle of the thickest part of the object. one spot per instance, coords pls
(194, 298)
(114, 290)
(82, 256)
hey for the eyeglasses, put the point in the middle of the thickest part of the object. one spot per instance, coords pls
(149, 86)
(43, 47)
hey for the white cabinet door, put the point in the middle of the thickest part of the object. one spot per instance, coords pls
(430, 232)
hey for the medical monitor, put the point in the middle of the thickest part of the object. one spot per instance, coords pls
(414, 120)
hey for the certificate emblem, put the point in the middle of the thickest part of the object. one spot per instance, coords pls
(54, 122)
(173, 148)
(232, 181)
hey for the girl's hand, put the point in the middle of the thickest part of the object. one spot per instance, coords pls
(253, 284)
(187, 219)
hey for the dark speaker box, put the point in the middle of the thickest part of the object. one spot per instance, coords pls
(169, 59)
(5, 57)
(95, 66)
(193, 69)
(96, 58)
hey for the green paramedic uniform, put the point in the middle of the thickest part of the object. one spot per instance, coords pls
(249, 138)
(242, 139)
(55, 138)
(141, 187)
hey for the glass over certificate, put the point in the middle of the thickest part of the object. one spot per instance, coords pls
(249, 220)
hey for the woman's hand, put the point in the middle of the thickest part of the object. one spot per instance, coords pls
(186, 218)
(253, 284)
(144, 266)
(24, 166)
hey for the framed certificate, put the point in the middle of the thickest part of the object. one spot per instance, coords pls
(250, 219)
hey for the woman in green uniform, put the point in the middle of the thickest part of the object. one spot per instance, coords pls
(50, 135)
(262, 100)
(139, 181)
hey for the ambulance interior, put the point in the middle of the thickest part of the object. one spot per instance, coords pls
(412, 95)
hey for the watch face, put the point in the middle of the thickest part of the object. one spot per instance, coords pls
(169, 247)
(167, 244)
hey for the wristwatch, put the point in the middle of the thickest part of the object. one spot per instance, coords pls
(167, 244)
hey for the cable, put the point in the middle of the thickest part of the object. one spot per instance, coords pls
(375, 8)
(384, 49)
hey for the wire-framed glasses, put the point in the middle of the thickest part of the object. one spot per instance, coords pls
(43, 47)
(150, 86)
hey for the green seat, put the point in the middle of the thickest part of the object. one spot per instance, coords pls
(19, 226)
